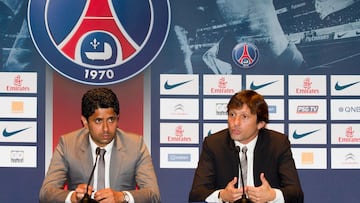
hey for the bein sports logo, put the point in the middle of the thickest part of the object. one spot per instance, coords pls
(99, 41)
(245, 55)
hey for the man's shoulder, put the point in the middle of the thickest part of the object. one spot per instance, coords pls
(268, 137)
(218, 137)
(128, 137)
(76, 133)
(219, 134)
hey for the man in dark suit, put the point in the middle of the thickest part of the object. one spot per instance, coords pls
(271, 172)
(129, 172)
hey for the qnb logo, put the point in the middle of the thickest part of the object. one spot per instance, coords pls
(245, 55)
(17, 156)
(179, 157)
(350, 109)
(307, 109)
(221, 109)
(272, 109)
(97, 42)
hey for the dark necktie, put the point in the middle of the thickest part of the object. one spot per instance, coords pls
(243, 162)
(101, 170)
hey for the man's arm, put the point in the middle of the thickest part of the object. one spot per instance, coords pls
(52, 189)
(291, 187)
(148, 189)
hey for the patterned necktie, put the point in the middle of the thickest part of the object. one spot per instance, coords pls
(243, 162)
(101, 170)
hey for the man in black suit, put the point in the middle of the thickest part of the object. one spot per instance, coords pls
(271, 172)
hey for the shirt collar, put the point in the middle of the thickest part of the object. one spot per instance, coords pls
(250, 145)
(94, 146)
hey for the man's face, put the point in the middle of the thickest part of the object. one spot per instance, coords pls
(102, 125)
(242, 124)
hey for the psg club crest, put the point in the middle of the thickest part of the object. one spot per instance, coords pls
(99, 41)
(245, 55)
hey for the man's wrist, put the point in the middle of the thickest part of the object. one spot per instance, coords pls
(219, 196)
(126, 197)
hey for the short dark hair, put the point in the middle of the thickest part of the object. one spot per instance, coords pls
(253, 100)
(98, 98)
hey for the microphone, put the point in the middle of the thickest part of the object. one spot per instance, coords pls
(243, 199)
(87, 198)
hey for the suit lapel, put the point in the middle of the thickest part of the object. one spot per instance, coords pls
(86, 161)
(115, 159)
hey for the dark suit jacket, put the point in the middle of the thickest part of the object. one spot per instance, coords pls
(72, 162)
(219, 164)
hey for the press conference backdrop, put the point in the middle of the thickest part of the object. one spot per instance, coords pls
(216, 48)
(301, 55)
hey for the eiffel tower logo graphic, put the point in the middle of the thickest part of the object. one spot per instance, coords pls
(98, 36)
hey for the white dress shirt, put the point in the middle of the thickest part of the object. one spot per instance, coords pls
(214, 197)
(107, 156)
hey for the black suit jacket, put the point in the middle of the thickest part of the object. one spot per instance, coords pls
(219, 164)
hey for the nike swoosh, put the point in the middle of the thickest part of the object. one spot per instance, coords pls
(255, 87)
(172, 86)
(341, 87)
(341, 34)
(298, 136)
(8, 134)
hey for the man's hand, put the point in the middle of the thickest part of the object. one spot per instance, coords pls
(80, 192)
(108, 195)
(263, 193)
(230, 193)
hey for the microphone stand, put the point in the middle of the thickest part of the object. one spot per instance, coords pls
(87, 198)
(243, 199)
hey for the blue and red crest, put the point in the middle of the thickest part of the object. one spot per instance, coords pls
(245, 55)
(99, 41)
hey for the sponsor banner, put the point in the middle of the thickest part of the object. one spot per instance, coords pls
(179, 157)
(345, 85)
(215, 109)
(310, 158)
(276, 126)
(307, 133)
(266, 84)
(345, 133)
(309, 85)
(179, 109)
(345, 158)
(18, 131)
(345, 109)
(181, 133)
(211, 128)
(276, 109)
(179, 84)
(18, 82)
(18, 107)
(307, 109)
(18, 156)
(221, 84)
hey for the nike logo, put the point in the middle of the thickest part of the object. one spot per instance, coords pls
(298, 136)
(8, 134)
(256, 87)
(168, 86)
(341, 87)
(341, 34)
